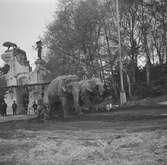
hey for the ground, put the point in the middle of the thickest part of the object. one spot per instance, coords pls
(136, 136)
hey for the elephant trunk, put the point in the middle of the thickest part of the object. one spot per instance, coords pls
(76, 92)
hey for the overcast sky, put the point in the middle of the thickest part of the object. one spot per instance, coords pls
(23, 22)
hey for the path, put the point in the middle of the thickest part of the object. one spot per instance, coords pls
(122, 137)
(15, 118)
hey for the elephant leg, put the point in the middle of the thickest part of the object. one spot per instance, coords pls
(59, 110)
(76, 101)
(51, 110)
(56, 110)
(64, 101)
(69, 105)
(87, 102)
(51, 106)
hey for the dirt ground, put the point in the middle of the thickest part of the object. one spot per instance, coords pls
(123, 137)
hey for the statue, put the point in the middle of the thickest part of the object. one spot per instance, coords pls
(9, 44)
(39, 47)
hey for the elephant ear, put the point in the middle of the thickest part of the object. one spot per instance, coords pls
(67, 83)
(97, 84)
(85, 85)
(69, 87)
(91, 85)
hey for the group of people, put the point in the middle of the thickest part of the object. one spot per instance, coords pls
(3, 108)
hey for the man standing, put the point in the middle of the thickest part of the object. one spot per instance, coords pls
(14, 107)
(4, 108)
(34, 107)
(41, 109)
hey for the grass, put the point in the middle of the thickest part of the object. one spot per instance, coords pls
(121, 137)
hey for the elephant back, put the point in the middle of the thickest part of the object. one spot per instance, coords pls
(91, 84)
(58, 86)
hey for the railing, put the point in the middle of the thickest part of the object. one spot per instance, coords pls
(26, 85)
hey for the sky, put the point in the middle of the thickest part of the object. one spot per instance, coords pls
(23, 22)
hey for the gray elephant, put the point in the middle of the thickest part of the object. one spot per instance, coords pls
(62, 95)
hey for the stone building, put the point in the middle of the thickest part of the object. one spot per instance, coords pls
(24, 84)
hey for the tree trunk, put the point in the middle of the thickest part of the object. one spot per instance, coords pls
(146, 49)
(148, 64)
(129, 85)
(148, 74)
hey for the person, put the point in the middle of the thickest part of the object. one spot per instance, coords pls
(26, 109)
(4, 108)
(34, 107)
(14, 107)
(1, 107)
(41, 109)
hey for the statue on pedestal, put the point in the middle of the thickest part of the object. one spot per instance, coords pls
(9, 44)
(39, 47)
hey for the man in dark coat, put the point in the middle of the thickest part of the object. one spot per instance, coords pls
(4, 108)
(35, 107)
(41, 109)
(14, 107)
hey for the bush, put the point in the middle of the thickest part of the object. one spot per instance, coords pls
(150, 91)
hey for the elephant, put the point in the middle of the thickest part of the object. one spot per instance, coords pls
(67, 94)
(62, 95)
